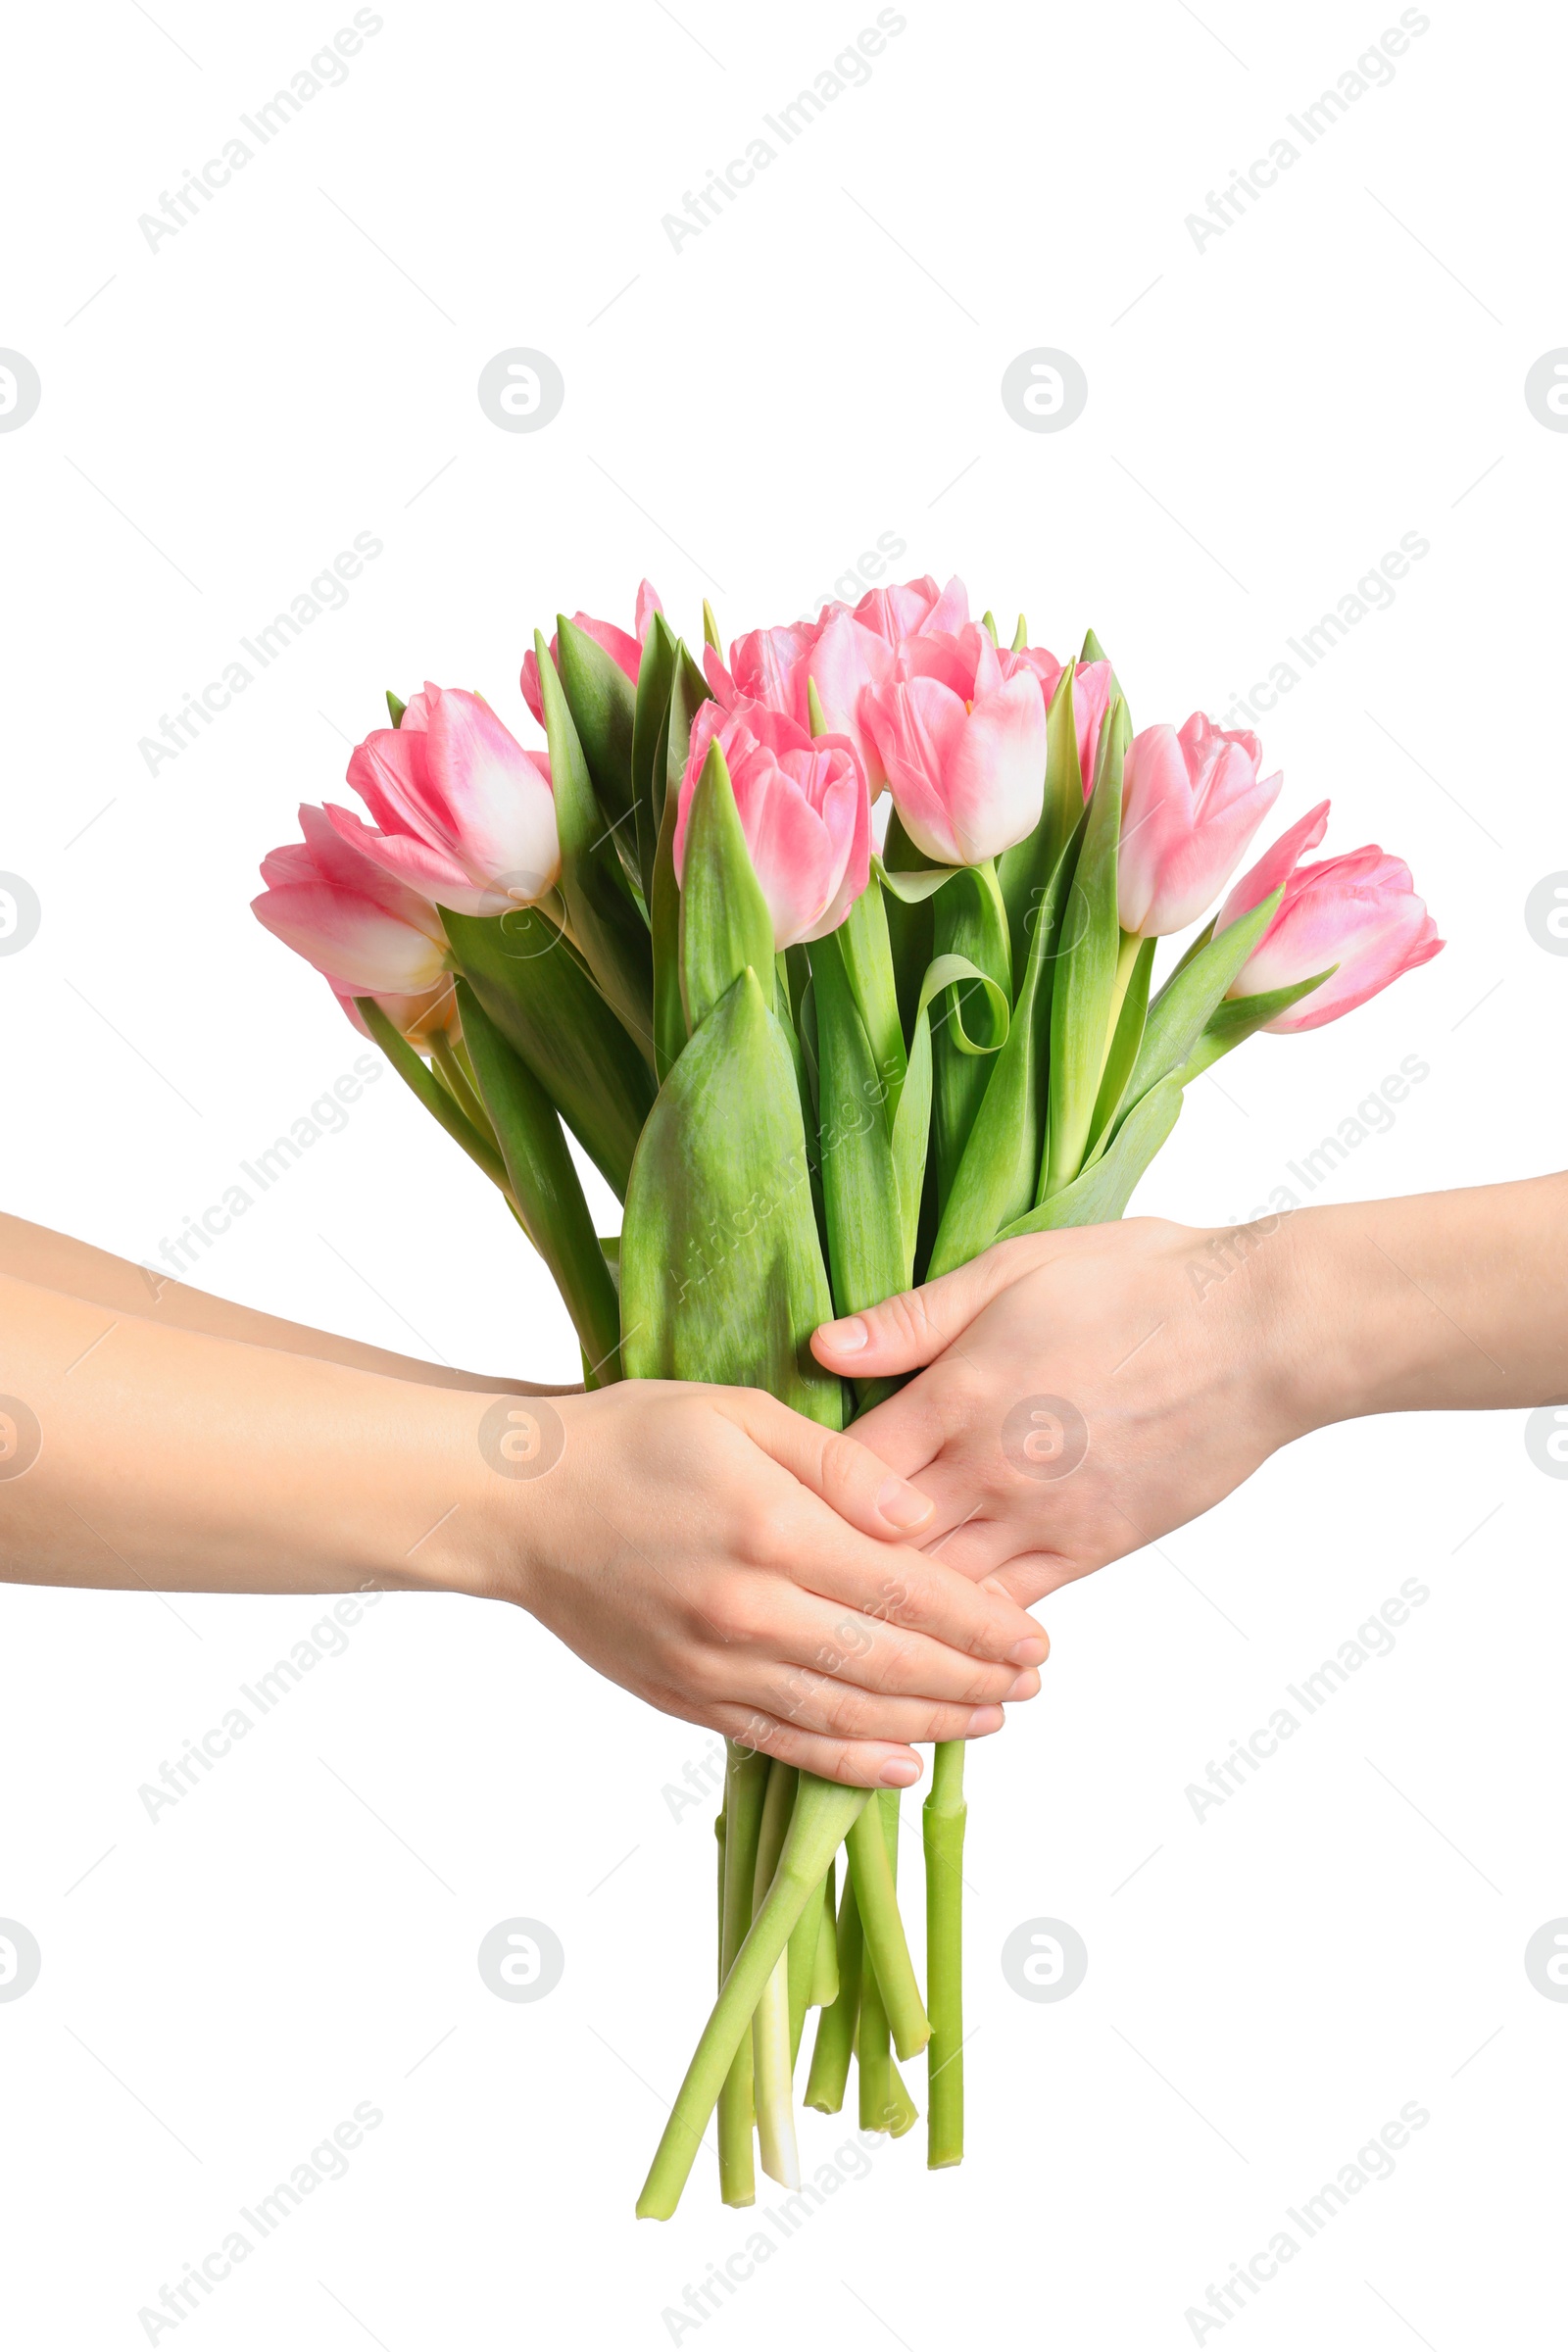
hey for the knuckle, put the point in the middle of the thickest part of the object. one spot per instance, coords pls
(865, 1716)
(913, 1604)
(764, 1531)
(909, 1317)
(897, 1659)
(732, 1614)
(854, 1638)
(841, 1466)
(752, 1729)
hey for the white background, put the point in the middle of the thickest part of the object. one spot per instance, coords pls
(744, 417)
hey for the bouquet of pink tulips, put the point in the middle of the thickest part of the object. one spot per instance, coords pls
(814, 1072)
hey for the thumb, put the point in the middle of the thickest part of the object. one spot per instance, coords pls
(913, 1327)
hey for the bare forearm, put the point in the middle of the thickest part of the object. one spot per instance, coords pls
(642, 1523)
(190, 1462)
(1443, 1301)
(58, 1261)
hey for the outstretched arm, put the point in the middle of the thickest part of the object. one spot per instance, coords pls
(58, 1261)
(1083, 1393)
(705, 1547)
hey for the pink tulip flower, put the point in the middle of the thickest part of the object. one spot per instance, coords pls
(1359, 912)
(804, 807)
(340, 909)
(776, 666)
(912, 610)
(468, 817)
(962, 746)
(764, 667)
(626, 651)
(1191, 803)
(1276, 867)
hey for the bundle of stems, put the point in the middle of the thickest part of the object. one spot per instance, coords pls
(784, 1949)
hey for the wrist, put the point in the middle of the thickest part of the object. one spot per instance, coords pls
(1252, 1284)
(1339, 1339)
(463, 1471)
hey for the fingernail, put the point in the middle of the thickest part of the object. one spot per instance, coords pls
(1025, 1687)
(1029, 1653)
(848, 1337)
(899, 1771)
(983, 1721)
(902, 1504)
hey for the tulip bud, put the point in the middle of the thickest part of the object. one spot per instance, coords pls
(468, 817)
(914, 609)
(1358, 913)
(804, 807)
(367, 932)
(964, 746)
(1191, 803)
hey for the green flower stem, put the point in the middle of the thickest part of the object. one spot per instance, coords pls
(770, 2058)
(943, 1819)
(824, 1813)
(904, 2113)
(772, 1830)
(824, 1990)
(1126, 957)
(873, 2054)
(872, 1866)
(745, 1786)
(969, 919)
(885, 2105)
(802, 1969)
(423, 1082)
(835, 2031)
(459, 1086)
(771, 2069)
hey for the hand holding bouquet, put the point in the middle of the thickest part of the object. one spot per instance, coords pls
(815, 1072)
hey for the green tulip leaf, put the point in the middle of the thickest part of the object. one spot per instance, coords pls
(1236, 1018)
(655, 675)
(909, 925)
(1102, 1193)
(969, 920)
(866, 948)
(859, 1179)
(912, 889)
(608, 927)
(995, 1178)
(669, 1015)
(724, 922)
(721, 1274)
(687, 694)
(1084, 997)
(604, 708)
(545, 1185)
(1094, 650)
(912, 1124)
(1125, 1042)
(538, 993)
(1026, 870)
(1180, 1013)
